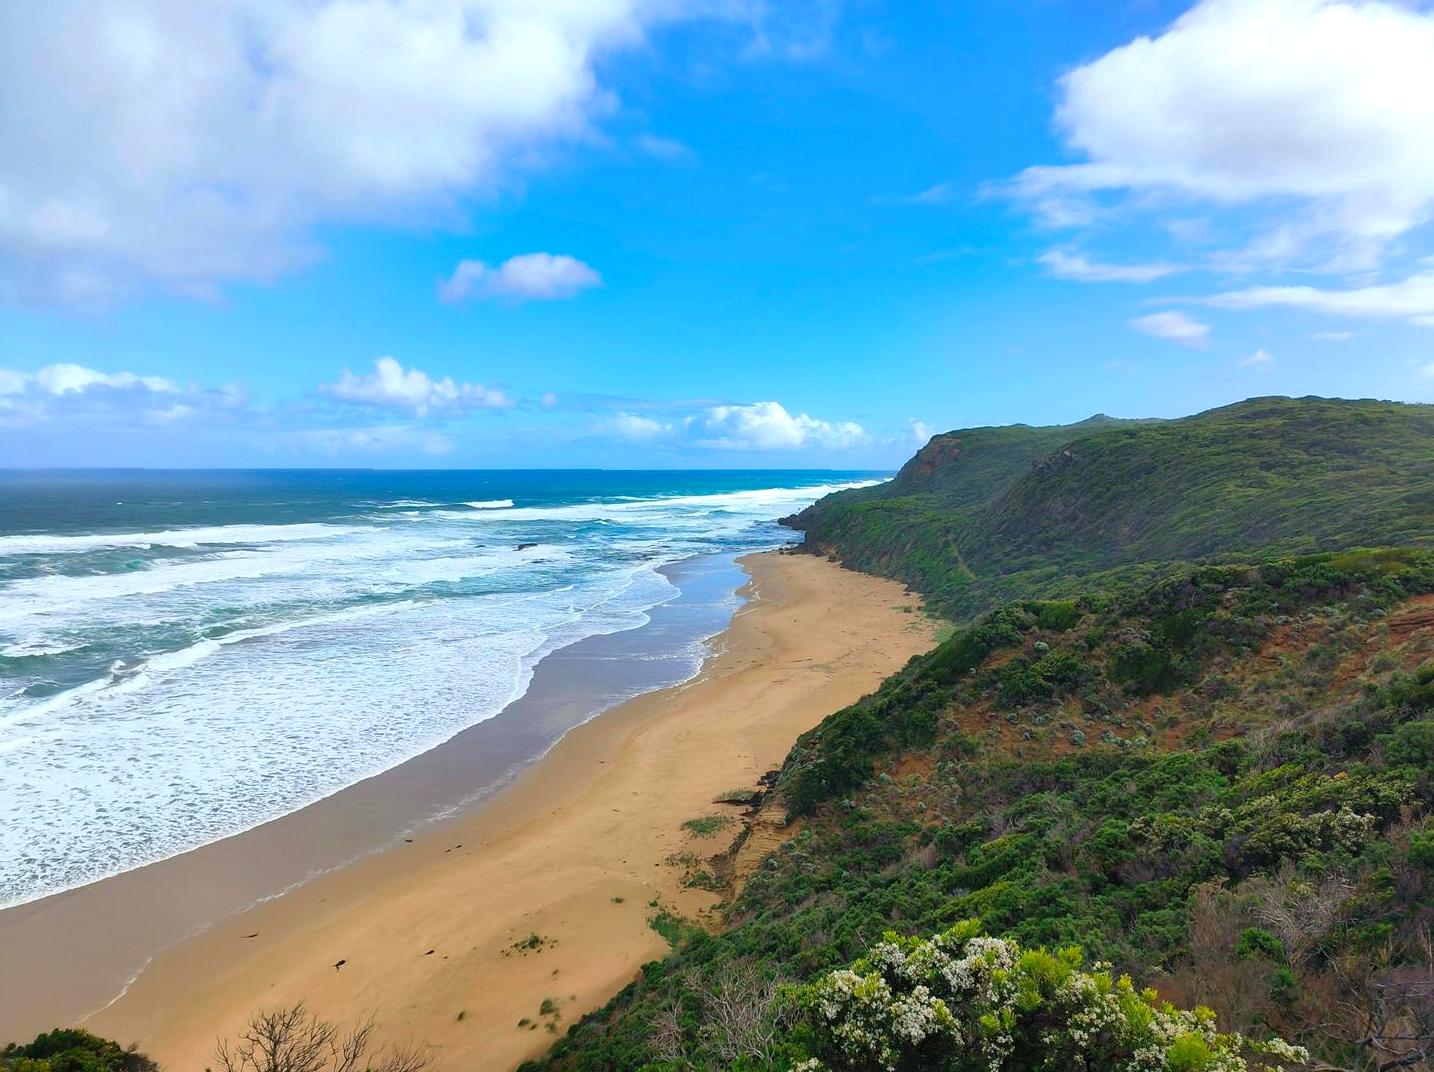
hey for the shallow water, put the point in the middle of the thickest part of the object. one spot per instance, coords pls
(187, 655)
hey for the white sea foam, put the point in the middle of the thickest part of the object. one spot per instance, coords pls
(125, 678)
(235, 684)
(670, 507)
(217, 535)
(53, 595)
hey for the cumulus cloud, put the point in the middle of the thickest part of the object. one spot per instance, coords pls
(76, 396)
(754, 426)
(76, 413)
(67, 378)
(1320, 111)
(1077, 266)
(189, 145)
(1175, 326)
(392, 386)
(526, 277)
(769, 426)
(638, 429)
(1411, 299)
(1259, 359)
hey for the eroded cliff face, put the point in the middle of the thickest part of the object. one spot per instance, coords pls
(939, 452)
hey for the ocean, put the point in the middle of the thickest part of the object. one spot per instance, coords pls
(186, 655)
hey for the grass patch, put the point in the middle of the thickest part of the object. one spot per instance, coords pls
(708, 825)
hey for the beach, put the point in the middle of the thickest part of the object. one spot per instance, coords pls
(536, 897)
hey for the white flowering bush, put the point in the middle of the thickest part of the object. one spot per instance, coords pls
(963, 1002)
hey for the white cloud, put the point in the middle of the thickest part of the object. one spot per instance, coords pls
(638, 429)
(67, 395)
(1411, 299)
(1319, 110)
(172, 414)
(1077, 266)
(1332, 336)
(1428, 370)
(755, 426)
(1259, 359)
(73, 404)
(768, 426)
(1175, 326)
(529, 276)
(188, 145)
(391, 386)
(64, 378)
(67, 378)
(921, 431)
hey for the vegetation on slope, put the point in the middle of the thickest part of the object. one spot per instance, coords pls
(1221, 784)
(993, 514)
(73, 1050)
(965, 1002)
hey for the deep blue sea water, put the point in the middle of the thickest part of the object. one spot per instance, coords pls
(185, 655)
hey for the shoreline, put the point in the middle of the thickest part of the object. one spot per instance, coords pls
(118, 924)
(572, 850)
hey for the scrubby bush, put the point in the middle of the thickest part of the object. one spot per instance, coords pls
(965, 1002)
(73, 1050)
(1275, 869)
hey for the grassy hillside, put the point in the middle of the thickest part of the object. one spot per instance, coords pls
(991, 514)
(1221, 783)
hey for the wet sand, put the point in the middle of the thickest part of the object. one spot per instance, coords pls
(426, 935)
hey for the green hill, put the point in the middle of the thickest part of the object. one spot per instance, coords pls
(988, 514)
(1187, 725)
(1221, 784)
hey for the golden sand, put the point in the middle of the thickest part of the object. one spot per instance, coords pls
(428, 938)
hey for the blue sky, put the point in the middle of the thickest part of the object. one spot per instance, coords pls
(717, 233)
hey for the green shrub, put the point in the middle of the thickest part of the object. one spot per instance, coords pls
(73, 1050)
(1056, 615)
(963, 1002)
(1257, 942)
(1411, 744)
(1421, 849)
(1413, 692)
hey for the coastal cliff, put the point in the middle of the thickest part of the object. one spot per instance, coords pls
(985, 515)
(1190, 734)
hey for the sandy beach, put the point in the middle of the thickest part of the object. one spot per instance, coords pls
(431, 937)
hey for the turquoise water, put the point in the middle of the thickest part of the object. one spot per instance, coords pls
(185, 655)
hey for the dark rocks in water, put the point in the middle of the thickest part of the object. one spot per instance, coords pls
(525, 546)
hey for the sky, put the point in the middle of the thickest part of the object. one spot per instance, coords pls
(713, 233)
